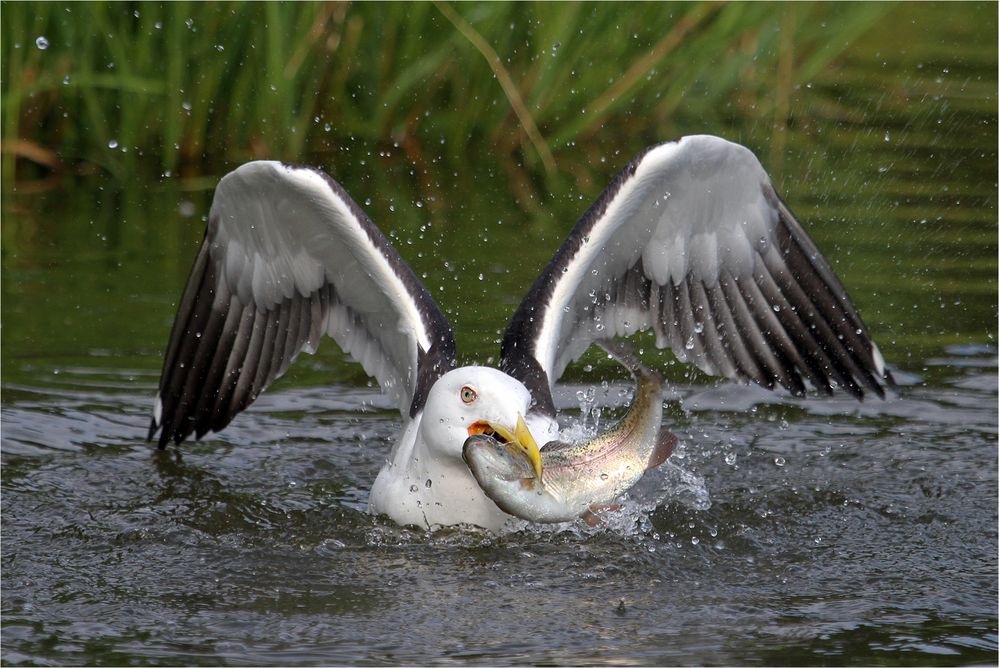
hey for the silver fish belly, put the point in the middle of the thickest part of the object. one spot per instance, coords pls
(577, 476)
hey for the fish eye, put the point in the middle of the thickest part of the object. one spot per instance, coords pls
(468, 395)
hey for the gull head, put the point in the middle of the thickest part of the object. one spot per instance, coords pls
(474, 400)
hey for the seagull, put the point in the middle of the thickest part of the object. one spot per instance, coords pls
(690, 241)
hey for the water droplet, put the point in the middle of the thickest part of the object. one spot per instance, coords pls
(730, 458)
(555, 47)
(414, 489)
(694, 540)
(112, 143)
(428, 483)
(65, 80)
(887, 136)
(604, 476)
(42, 42)
(186, 106)
(779, 461)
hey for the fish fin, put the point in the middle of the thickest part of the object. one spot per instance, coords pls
(529, 484)
(555, 446)
(592, 514)
(665, 442)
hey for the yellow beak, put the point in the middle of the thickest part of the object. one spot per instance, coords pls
(524, 439)
(519, 438)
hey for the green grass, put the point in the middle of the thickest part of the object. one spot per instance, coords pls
(404, 106)
(193, 88)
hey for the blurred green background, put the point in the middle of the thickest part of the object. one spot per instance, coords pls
(143, 89)
(475, 134)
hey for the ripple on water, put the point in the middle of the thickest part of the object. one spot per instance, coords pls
(876, 538)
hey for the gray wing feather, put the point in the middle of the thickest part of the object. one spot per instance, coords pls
(692, 241)
(288, 256)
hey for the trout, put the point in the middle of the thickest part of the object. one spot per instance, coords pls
(574, 478)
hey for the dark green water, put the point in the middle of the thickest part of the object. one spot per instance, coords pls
(785, 532)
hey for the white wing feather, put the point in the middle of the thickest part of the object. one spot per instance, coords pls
(288, 256)
(692, 241)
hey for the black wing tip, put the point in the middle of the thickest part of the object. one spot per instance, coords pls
(884, 383)
(799, 391)
(860, 389)
(168, 433)
(156, 425)
(874, 380)
(879, 379)
(163, 439)
(167, 436)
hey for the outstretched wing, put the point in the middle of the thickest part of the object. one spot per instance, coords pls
(289, 256)
(692, 241)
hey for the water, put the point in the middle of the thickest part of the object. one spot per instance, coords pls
(784, 531)
(874, 542)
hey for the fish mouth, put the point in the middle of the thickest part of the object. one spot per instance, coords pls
(519, 437)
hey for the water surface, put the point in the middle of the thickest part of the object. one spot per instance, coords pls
(784, 531)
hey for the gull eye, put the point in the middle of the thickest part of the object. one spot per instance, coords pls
(468, 395)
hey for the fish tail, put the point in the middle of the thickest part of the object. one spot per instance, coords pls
(625, 354)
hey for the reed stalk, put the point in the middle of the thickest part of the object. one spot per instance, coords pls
(149, 90)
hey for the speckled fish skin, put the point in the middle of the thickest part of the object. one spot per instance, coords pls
(577, 476)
